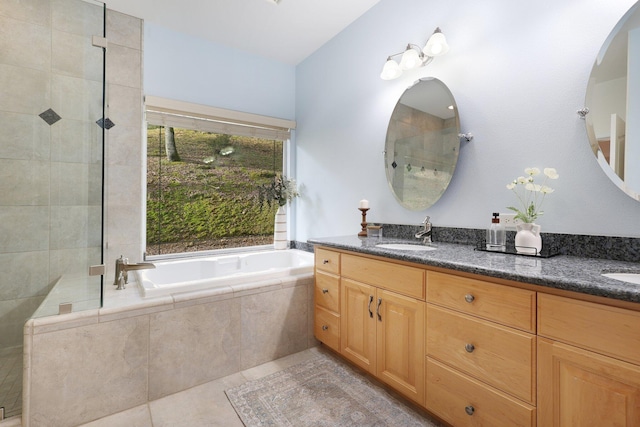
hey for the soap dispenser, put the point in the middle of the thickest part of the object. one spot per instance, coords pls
(496, 237)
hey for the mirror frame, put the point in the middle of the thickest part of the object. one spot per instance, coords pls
(433, 150)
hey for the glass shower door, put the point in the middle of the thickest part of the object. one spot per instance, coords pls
(51, 169)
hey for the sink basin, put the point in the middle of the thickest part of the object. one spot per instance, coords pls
(625, 277)
(405, 247)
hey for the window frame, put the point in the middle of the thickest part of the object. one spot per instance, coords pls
(173, 113)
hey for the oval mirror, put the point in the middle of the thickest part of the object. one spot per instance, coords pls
(422, 145)
(613, 98)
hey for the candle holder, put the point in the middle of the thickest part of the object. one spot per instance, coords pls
(363, 232)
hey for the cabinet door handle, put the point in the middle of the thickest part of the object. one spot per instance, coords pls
(469, 348)
(370, 301)
(469, 409)
(325, 261)
(469, 298)
(325, 327)
(325, 291)
(378, 309)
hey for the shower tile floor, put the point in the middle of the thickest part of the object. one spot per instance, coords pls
(11, 381)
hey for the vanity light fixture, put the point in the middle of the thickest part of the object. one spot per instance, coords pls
(413, 57)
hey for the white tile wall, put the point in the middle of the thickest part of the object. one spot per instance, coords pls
(33, 11)
(25, 44)
(24, 137)
(25, 90)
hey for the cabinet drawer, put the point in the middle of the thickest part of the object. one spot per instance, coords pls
(463, 401)
(608, 330)
(500, 356)
(503, 304)
(327, 291)
(328, 261)
(327, 328)
(399, 278)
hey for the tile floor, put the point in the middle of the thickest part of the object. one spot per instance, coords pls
(11, 380)
(205, 405)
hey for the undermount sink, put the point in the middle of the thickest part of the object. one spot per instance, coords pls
(405, 247)
(625, 277)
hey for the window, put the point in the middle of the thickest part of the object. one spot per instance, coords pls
(206, 197)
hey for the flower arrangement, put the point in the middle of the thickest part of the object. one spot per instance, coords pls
(530, 194)
(280, 190)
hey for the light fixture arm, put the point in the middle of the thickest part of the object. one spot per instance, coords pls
(425, 58)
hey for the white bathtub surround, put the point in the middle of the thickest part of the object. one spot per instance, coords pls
(222, 271)
(136, 350)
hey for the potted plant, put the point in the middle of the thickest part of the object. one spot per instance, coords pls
(281, 190)
(531, 197)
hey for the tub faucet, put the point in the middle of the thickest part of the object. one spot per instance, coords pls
(122, 269)
(425, 232)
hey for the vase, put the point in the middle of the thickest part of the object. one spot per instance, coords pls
(280, 229)
(528, 239)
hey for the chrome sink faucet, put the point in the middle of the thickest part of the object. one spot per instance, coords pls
(426, 231)
(122, 269)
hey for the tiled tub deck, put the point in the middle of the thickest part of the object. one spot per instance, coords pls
(84, 366)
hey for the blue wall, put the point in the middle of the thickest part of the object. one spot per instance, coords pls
(186, 68)
(518, 71)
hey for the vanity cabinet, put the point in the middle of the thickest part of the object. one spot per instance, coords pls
(327, 298)
(478, 351)
(383, 334)
(589, 364)
(481, 352)
(382, 322)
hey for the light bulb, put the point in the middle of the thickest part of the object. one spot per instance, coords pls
(410, 59)
(391, 70)
(436, 45)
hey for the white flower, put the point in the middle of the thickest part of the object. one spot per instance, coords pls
(532, 171)
(530, 194)
(547, 190)
(551, 173)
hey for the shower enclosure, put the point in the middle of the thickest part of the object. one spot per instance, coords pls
(52, 67)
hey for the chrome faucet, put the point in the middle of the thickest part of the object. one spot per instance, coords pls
(425, 232)
(122, 269)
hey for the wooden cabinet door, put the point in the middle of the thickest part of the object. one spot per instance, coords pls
(400, 343)
(358, 323)
(577, 387)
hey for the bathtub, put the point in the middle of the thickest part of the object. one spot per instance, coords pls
(194, 274)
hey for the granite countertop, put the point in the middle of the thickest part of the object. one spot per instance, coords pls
(569, 273)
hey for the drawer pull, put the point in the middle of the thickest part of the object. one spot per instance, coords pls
(325, 291)
(378, 310)
(325, 261)
(325, 327)
(370, 301)
(469, 410)
(469, 348)
(469, 298)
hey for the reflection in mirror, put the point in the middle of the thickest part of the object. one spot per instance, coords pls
(422, 145)
(613, 99)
